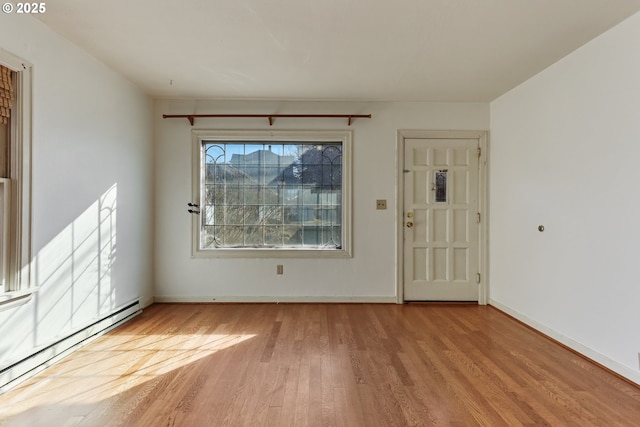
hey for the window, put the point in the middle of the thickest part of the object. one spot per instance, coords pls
(15, 172)
(7, 77)
(272, 193)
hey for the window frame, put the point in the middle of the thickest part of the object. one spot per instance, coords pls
(18, 259)
(264, 136)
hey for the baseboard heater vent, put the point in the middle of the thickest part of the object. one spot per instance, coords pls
(18, 372)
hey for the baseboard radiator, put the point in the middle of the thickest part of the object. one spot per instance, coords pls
(21, 370)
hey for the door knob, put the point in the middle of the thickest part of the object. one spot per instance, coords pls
(409, 224)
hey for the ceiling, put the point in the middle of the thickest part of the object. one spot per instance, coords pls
(401, 50)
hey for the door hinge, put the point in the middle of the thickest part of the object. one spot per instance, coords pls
(479, 152)
(478, 278)
(478, 217)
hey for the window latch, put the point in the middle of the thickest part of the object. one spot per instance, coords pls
(193, 211)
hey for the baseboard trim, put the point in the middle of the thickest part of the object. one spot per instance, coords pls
(593, 356)
(273, 299)
(42, 358)
(146, 302)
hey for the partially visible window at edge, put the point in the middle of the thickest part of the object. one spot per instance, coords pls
(15, 84)
(271, 194)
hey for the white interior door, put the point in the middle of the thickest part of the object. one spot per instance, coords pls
(441, 220)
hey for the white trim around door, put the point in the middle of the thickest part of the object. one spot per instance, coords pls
(483, 259)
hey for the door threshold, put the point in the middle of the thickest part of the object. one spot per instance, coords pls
(443, 302)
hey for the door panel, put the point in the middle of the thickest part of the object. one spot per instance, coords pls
(440, 219)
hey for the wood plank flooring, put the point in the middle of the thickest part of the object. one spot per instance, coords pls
(322, 365)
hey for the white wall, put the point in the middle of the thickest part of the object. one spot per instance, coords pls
(92, 191)
(369, 276)
(565, 152)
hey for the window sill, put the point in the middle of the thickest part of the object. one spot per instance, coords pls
(271, 253)
(13, 299)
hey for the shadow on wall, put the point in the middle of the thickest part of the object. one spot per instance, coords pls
(73, 274)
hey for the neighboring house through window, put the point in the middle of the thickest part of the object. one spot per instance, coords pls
(7, 99)
(15, 172)
(272, 194)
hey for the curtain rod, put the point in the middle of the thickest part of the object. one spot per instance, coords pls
(192, 117)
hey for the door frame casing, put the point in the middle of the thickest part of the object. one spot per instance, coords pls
(483, 204)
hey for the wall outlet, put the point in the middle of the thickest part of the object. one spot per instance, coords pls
(381, 204)
(279, 269)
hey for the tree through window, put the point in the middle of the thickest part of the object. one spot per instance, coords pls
(275, 194)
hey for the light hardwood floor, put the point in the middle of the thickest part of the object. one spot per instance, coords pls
(322, 365)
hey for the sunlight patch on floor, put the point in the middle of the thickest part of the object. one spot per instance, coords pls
(146, 359)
